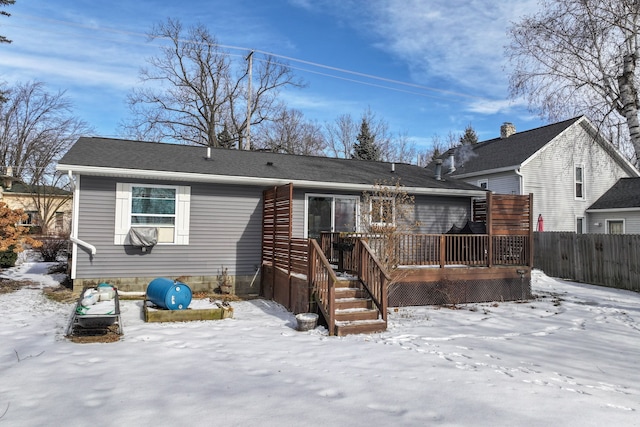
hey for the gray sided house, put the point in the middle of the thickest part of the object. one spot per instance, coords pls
(618, 210)
(567, 166)
(144, 210)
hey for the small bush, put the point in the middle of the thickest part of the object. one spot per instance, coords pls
(52, 249)
(8, 258)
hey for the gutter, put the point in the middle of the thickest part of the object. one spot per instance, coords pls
(485, 172)
(226, 179)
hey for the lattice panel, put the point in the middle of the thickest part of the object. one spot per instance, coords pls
(458, 292)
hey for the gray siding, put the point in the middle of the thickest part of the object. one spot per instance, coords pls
(499, 183)
(225, 230)
(631, 221)
(436, 214)
(550, 177)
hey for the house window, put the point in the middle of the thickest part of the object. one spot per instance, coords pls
(483, 183)
(580, 225)
(579, 182)
(153, 206)
(382, 211)
(165, 208)
(31, 220)
(615, 226)
(331, 213)
(59, 218)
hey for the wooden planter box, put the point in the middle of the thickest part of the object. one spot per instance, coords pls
(216, 312)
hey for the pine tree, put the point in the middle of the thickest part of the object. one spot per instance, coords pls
(3, 39)
(225, 139)
(470, 137)
(365, 148)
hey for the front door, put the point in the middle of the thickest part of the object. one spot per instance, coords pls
(331, 214)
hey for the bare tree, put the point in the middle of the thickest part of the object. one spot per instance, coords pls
(193, 89)
(579, 57)
(51, 196)
(438, 147)
(290, 133)
(402, 150)
(340, 136)
(36, 128)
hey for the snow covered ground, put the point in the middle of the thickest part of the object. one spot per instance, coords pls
(569, 357)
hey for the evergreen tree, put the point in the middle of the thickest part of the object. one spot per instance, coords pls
(365, 148)
(225, 139)
(3, 39)
(470, 137)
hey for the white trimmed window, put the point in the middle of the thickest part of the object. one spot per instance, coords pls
(615, 226)
(579, 182)
(382, 211)
(163, 207)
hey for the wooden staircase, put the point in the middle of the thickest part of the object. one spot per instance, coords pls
(355, 311)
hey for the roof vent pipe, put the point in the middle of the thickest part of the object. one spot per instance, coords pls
(393, 167)
(208, 151)
(452, 164)
(438, 169)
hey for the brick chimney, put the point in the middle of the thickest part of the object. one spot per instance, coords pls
(7, 177)
(506, 130)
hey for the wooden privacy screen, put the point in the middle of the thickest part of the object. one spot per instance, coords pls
(276, 225)
(505, 214)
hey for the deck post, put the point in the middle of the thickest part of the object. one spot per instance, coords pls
(443, 260)
(530, 230)
(489, 227)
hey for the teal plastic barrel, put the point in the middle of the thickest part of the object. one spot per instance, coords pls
(169, 294)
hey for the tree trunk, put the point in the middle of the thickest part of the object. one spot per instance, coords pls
(629, 99)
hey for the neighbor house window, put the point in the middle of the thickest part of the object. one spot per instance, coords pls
(483, 183)
(31, 219)
(580, 225)
(382, 211)
(579, 182)
(615, 226)
(59, 218)
(165, 208)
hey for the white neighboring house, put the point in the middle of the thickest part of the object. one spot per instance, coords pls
(618, 210)
(567, 166)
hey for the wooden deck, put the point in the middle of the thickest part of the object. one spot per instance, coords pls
(429, 268)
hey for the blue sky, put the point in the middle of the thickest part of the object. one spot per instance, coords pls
(448, 55)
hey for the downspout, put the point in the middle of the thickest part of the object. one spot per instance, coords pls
(74, 226)
(520, 181)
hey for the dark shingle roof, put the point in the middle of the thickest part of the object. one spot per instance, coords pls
(500, 153)
(624, 194)
(152, 156)
(19, 187)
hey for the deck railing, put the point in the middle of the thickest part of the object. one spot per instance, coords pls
(322, 280)
(373, 276)
(359, 259)
(430, 249)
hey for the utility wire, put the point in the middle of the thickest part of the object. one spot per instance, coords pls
(275, 55)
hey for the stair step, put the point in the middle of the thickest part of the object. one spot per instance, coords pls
(352, 314)
(360, 327)
(349, 293)
(347, 303)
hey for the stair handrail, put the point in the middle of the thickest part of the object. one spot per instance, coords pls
(322, 280)
(373, 276)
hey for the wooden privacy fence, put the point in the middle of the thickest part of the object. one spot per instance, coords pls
(611, 260)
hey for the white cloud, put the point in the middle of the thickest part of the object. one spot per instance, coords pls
(460, 41)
